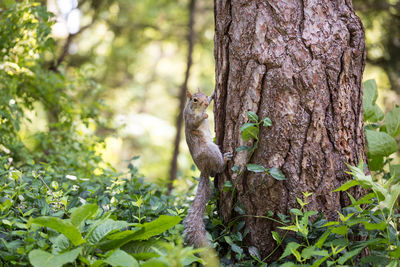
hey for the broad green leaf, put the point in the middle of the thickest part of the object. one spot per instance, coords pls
(142, 250)
(349, 254)
(83, 213)
(255, 168)
(104, 229)
(277, 174)
(40, 258)
(252, 116)
(249, 131)
(146, 231)
(154, 263)
(157, 226)
(376, 163)
(377, 114)
(289, 248)
(121, 258)
(347, 185)
(393, 122)
(369, 98)
(60, 243)
(340, 230)
(308, 252)
(63, 226)
(380, 144)
(375, 226)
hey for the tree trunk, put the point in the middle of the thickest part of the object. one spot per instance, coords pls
(299, 63)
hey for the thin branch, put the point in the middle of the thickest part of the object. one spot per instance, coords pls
(182, 96)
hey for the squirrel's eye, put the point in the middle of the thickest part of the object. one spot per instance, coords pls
(195, 100)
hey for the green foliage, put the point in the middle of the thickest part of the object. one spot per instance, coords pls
(381, 131)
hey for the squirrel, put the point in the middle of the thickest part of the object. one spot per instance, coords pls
(208, 159)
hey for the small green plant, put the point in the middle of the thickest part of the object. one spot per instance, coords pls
(97, 241)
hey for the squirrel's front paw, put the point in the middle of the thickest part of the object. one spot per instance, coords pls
(228, 156)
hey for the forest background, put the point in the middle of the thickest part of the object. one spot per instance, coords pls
(105, 97)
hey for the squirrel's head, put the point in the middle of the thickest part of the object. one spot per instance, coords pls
(198, 102)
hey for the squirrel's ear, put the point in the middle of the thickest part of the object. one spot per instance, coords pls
(198, 90)
(188, 94)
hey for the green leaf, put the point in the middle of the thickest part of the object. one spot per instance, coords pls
(104, 229)
(227, 186)
(296, 212)
(391, 198)
(83, 213)
(243, 148)
(60, 243)
(63, 226)
(395, 170)
(349, 255)
(375, 226)
(157, 226)
(289, 248)
(380, 143)
(252, 116)
(371, 111)
(376, 163)
(277, 174)
(340, 230)
(154, 263)
(367, 182)
(121, 258)
(142, 250)
(276, 237)
(308, 252)
(146, 231)
(237, 249)
(40, 258)
(249, 131)
(393, 122)
(322, 239)
(255, 168)
(267, 122)
(347, 185)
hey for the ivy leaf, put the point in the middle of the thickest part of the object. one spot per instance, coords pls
(252, 116)
(249, 131)
(267, 122)
(277, 174)
(255, 168)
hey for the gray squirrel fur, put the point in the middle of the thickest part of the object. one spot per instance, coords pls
(208, 159)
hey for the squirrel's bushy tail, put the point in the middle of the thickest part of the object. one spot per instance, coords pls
(195, 230)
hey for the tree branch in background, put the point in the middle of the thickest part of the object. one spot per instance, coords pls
(182, 96)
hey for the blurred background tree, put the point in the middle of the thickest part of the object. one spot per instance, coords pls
(126, 60)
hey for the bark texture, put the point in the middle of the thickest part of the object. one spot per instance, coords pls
(299, 63)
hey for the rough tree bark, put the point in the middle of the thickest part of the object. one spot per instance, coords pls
(300, 63)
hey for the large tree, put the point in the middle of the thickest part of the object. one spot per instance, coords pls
(300, 63)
